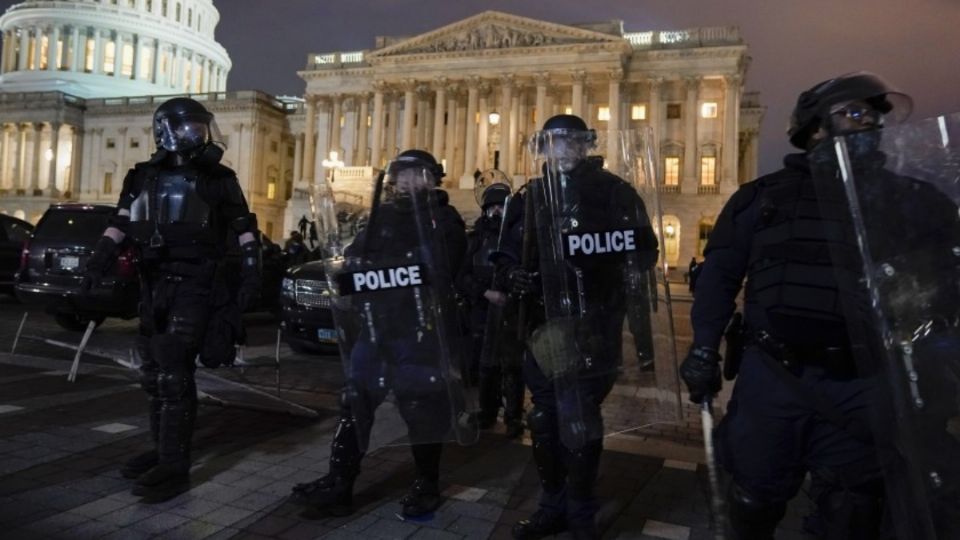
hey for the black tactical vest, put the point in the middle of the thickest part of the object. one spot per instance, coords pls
(169, 212)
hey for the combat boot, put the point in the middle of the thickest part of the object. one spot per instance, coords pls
(539, 525)
(163, 479)
(422, 499)
(330, 495)
(138, 465)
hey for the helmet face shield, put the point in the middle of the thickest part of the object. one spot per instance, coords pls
(562, 149)
(177, 134)
(405, 178)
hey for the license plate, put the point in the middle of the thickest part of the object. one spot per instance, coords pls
(68, 262)
(327, 335)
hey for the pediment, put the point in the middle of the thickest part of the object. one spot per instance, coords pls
(494, 30)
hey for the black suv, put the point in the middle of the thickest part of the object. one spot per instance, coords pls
(14, 234)
(54, 261)
(306, 316)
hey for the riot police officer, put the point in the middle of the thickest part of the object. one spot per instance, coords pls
(799, 405)
(178, 210)
(391, 343)
(571, 379)
(499, 376)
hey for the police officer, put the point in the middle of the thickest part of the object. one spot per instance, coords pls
(178, 209)
(399, 354)
(567, 474)
(500, 380)
(799, 404)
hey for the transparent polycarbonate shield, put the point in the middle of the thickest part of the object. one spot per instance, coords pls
(901, 187)
(608, 341)
(395, 313)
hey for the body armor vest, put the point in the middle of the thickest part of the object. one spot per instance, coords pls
(803, 260)
(170, 213)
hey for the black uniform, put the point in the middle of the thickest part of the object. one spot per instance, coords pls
(568, 475)
(499, 380)
(397, 354)
(800, 404)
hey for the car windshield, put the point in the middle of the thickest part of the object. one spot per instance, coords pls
(72, 225)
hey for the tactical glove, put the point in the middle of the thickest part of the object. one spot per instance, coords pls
(98, 263)
(701, 372)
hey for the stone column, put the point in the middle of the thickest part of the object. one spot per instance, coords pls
(514, 124)
(37, 43)
(76, 161)
(423, 91)
(438, 114)
(470, 147)
(691, 147)
(483, 129)
(335, 128)
(450, 144)
(394, 127)
(54, 146)
(21, 182)
(543, 80)
(506, 106)
(613, 125)
(406, 133)
(578, 76)
(53, 51)
(376, 144)
(298, 157)
(4, 153)
(37, 154)
(79, 50)
(117, 55)
(24, 49)
(653, 117)
(363, 131)
(309, 136)
(731, 114)
(7, 45)
(155, 76)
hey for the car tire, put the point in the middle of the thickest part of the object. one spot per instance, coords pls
(76, 323)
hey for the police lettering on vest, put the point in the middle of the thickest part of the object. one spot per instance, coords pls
(599, 243)
(381, 279)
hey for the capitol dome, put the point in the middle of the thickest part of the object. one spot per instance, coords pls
(112, 48)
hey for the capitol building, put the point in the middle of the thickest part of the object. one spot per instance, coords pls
(80, 79)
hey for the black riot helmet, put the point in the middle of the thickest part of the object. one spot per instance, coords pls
(415, 159)
(495, 194)
(563, 142)
(182, 124)
(815, 106)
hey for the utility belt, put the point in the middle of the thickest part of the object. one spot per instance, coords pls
(836, 361)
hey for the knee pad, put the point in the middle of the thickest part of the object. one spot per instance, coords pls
(542, 422)
(173, 386)
(186, 329)
(171, 353)
(428, 420)
(149, 382)
(753, 517)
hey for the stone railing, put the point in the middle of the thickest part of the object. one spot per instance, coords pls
(242, 95)
(712, 36)
(336, 60)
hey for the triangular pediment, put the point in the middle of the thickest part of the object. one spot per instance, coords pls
(494, 30)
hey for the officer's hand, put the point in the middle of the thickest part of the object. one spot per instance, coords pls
(523, 282)
(701, 371)
(91, 279)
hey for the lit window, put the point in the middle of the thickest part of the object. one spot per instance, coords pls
(708, 171)
(673, 111)
(708, 109)
(343, 121)
(44, 52)
(126, 67)
(272, 190)
(61, 61)
(108, 183)
(568, 110)
(671, 171)
(603, 114)
(146, 62)
(109, 55)
(88, 63)
(369, 120)
(638, 112)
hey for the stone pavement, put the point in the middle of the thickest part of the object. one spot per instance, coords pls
(61, 443)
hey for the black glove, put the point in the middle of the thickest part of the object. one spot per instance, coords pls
(701, 371)
(523, 282)
(249, 292)
(98, 263)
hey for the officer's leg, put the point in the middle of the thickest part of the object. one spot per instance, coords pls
(332, 494)
(425, 407)
(175, 351)
(583, 463)
(490, 397)
(550, 518)
(513, 390)
(761, 445)
(149, 379)
(850, 498)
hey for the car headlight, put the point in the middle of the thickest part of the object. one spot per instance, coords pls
(287, 288)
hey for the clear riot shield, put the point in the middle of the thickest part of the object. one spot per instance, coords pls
(899, 194)
(607, 342)
(502, 345)
(395, 313)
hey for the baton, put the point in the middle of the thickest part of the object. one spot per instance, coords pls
(716, 502)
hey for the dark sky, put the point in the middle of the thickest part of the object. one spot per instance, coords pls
(914, 44)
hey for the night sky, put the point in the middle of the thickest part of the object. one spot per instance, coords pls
(914, 44)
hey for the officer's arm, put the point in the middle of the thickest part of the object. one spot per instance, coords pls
(456, 240)
(237, 213)
(727, 253)
(120, 220)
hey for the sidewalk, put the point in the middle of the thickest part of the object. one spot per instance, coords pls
(61, 444)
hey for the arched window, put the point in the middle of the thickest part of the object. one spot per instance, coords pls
(708, 168)
(672, 165)
(671, 239)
